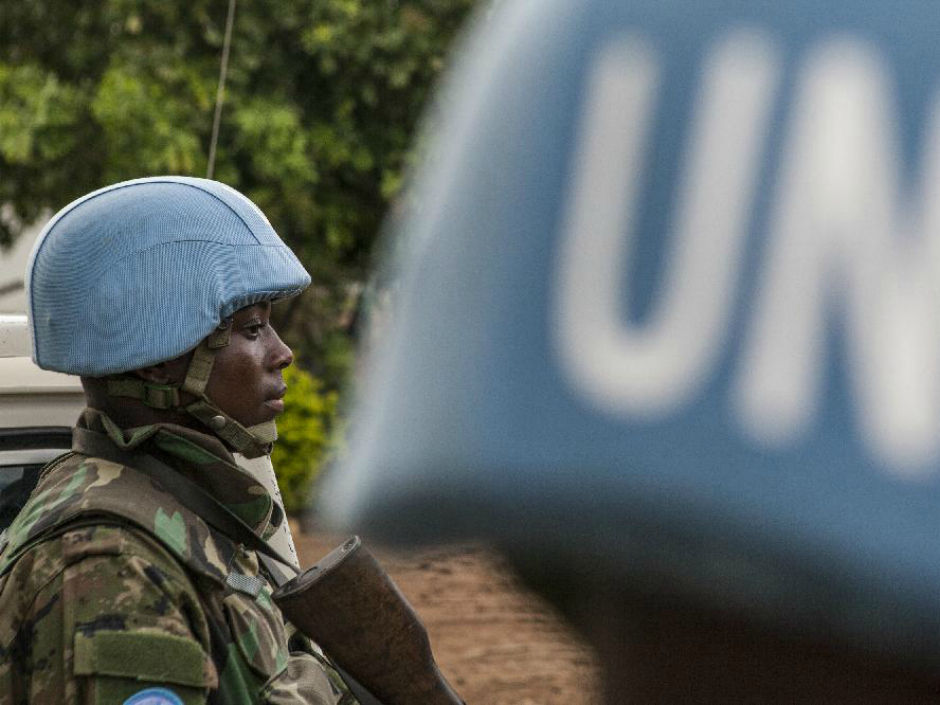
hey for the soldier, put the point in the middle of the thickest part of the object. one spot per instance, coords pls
(114, 585)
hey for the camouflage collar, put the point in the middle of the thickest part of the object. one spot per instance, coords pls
(79, 487)
(202, 458)
(77, 490)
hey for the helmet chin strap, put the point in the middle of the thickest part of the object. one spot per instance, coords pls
(250, 441)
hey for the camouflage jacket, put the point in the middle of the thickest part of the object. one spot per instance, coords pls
(111, 589)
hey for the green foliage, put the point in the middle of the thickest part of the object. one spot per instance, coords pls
(306, 432)
(322, 100)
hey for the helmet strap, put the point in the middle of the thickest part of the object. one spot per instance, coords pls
(156, 396)
(250, 441)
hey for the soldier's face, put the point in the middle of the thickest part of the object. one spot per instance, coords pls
(246, 381)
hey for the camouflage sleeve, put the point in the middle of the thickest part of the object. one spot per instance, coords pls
(308, 665)
(307, 679)
(98, 615)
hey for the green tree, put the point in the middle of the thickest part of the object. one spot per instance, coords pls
(322, 100)
(308, 435)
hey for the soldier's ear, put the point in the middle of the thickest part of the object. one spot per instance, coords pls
(166, 372)
(156, 374)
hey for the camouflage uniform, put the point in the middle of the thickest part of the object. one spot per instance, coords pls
(110, 586)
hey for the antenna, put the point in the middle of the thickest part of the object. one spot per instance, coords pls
(220, 94)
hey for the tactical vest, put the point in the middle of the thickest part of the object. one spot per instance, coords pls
(248, 638)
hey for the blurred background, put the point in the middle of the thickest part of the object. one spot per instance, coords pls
(322, 101)
(321, 104)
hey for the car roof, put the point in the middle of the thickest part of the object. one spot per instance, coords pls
(29, 396)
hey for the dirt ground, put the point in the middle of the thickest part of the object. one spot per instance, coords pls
(496, 643)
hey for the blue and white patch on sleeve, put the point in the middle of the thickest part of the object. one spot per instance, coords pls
(154, 696)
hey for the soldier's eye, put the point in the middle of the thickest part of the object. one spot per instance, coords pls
(253, 329)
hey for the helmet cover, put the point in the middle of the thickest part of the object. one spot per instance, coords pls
(140, 272)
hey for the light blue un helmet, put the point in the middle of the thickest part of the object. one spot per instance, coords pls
(681, 331)
(144, 271)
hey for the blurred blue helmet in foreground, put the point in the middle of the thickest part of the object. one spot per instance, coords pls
(671, 311)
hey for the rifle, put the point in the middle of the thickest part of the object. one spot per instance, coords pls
(350, 606)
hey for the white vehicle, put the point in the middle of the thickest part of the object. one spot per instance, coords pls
(37, 410)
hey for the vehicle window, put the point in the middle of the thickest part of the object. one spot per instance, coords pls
(16, 484)
(24, 452)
